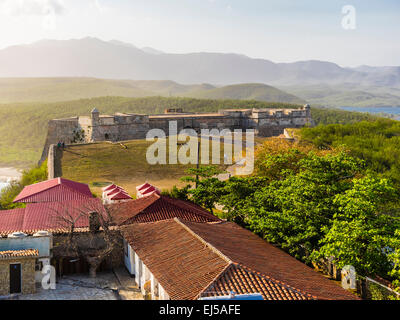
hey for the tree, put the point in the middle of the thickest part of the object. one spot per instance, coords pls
(208, 187)
(31, 176)
(291, 212)
(95, 244)
(276, 157)
(234, 194)
(362, 235)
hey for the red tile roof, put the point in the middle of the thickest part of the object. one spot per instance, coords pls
(143, 186)
(242, 280)
(53, 190)
(120, 196)
(183, 265)
(156, 208)
(148, 190)
(51, 216)
(192, 259)
(110, 187)
(27, 253)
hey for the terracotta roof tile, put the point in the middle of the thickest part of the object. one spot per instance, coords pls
(155, 208)
(18, 253)
(242, 280)
(183, 270)
(246, 248)
(190, 259)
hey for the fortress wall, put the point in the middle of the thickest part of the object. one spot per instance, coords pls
(54, 168)
(59, 130)
(270, 131)
(195, 122)
(50, 162)
(121, 127)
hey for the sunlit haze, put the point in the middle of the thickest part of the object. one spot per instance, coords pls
(278, 30)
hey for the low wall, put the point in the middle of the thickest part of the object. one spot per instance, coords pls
(54, 167)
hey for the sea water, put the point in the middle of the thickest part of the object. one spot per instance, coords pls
(374, 110)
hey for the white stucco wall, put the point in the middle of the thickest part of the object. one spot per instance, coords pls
(129, 258)
(143, 274)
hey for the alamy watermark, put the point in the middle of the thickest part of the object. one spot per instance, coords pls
(349, 19)
(49, 277)
(192, 147)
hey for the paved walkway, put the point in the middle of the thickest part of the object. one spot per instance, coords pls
(106, 286)
(128, 289)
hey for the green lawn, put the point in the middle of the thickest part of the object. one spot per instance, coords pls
(101, 163)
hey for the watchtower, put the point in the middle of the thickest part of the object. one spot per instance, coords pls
(95, 117)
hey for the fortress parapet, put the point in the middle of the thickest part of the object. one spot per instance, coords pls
(129, 126)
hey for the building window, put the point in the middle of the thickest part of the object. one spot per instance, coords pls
(38, 265)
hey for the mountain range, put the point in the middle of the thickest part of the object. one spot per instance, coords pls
(92, 57)
(60, 70)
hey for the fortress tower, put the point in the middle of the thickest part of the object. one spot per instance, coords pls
(95, 117)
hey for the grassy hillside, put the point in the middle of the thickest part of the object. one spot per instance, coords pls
(101, 163)
(346, 95)
(65, 89)
(376, 142)
(336, 116)
(252, 91)
(23, 126)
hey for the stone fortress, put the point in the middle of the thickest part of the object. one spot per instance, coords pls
(124, 126)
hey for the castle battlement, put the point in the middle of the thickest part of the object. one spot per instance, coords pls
(127, 126)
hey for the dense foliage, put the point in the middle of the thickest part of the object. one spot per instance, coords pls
(377, 142)
(315, 204)
(337, 116)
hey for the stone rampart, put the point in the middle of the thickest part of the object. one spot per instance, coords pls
(122, 127)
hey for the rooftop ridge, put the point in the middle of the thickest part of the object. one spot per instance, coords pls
(184, 204)
(232, 263)
(198, 237)
(144, 199)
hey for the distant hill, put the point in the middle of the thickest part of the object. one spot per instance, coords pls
(346, 95)
(91, 57)
(251, 91)
(66, 89)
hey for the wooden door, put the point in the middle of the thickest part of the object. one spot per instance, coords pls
(15, 278)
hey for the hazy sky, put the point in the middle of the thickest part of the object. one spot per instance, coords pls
(278, 30)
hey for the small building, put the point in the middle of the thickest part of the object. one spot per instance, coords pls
(182, 260)
(17, 271)
(42, 241)
(57, 218)
(146, 190)
(54, 190)
(115, 194)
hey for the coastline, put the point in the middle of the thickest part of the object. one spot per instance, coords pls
(7, 175)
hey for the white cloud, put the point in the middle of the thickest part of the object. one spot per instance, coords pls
(32, 7)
